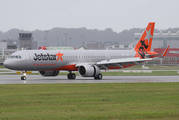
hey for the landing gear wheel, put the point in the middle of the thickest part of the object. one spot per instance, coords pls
(71, 76)
(99, 77)
(23, 77)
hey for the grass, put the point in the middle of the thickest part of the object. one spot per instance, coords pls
(2, 66)
(154, 73)
(5, 71)
(153, 67)
(90, 101)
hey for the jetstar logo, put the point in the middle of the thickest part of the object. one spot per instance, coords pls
(48, 56)
(59, 55)
(45, 56)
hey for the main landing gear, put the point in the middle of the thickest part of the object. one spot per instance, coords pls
(71, 75)
(99, 77)
(23, 77)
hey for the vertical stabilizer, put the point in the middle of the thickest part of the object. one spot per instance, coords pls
(145, 42)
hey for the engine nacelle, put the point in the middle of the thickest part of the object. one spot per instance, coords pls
(89, 70)
(49, 73)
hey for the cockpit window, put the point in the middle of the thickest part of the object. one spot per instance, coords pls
(11, 56)
(15, 56)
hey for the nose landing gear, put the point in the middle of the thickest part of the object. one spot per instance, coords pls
(24, 75)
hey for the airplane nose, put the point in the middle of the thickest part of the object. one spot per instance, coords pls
(8, 64)
(5, 63)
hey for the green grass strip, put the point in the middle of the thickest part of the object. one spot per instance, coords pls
(157, 101)
(5, 71)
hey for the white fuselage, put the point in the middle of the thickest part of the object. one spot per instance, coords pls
(36, 60)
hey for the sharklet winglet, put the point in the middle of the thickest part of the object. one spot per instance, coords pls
(164, 53)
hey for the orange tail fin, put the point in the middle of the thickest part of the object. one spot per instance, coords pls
(145, 42)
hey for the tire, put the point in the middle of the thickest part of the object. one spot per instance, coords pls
(23, 77)
(73, 76)
(69, 76)
(99, 77)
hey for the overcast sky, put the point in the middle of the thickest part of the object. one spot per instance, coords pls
(92, 14)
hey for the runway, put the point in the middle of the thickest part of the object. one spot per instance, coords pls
(38, 79)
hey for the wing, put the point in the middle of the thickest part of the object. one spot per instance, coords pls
(116, 62)
(121, 62)
(127, 61)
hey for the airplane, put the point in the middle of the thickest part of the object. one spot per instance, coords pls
(88, 63)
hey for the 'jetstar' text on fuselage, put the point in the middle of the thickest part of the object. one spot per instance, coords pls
(45, 56)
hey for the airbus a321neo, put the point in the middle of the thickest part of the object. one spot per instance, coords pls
(87, 62)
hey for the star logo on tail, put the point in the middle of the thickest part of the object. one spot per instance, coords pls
(148, 36)
(59, 55)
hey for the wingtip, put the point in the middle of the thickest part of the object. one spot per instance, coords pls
(165, 51)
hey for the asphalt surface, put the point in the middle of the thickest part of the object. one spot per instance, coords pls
(36, 79)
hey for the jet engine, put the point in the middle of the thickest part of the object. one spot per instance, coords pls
(49, 73)
(89, 70)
